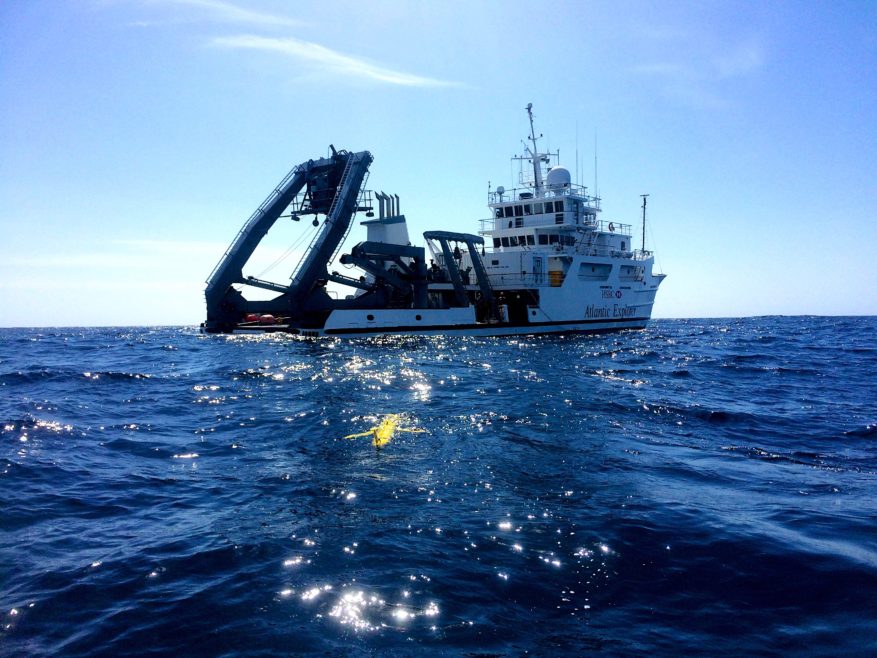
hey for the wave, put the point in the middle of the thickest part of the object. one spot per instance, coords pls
(863, 432)
(37, 375)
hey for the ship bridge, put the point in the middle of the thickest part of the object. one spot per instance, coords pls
(549, 211)
(559, 215)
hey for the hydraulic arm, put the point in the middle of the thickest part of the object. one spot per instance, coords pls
(331, 187)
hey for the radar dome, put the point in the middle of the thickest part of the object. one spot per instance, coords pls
(558, 178)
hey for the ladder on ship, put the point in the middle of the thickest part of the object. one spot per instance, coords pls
(332, 218)
(339, 217)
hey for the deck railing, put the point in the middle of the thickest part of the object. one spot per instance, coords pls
(577, 191)
(491, 224)
(578, 249)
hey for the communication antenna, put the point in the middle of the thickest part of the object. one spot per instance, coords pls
(645, 199)
(534, 153)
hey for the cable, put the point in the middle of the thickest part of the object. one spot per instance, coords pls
(286, 253)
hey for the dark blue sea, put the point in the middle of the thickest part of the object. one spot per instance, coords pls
(702, 487)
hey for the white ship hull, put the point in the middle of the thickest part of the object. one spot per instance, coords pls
(577, 305)
(389, 326)
(474, 329)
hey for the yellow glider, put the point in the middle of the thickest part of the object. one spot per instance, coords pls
(383, 432)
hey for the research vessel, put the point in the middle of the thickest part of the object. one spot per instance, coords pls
(543, 262)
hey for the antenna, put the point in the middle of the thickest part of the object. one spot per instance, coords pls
(534, 154)
(645, 199)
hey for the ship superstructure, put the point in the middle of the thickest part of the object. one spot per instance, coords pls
(543, 262)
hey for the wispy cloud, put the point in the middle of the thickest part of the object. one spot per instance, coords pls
(695, 80)
(226, 12)
(328, 60)
(742, 59)
(318, 58)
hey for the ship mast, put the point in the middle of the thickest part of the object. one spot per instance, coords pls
(534, 154)
(645, 197)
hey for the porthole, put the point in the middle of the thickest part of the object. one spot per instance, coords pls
(417, 317)
(370, 317)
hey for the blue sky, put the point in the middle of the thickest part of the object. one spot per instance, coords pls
(136, 137)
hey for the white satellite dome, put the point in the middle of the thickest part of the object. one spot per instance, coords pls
(558, 178)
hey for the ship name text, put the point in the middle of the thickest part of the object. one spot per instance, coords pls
(593, 312)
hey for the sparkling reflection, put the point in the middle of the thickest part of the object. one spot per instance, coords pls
(364, 611)
(314, 592)
(351, 608)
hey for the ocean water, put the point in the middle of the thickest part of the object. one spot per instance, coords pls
(702, 486)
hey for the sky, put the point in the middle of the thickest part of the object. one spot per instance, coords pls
(137, 136)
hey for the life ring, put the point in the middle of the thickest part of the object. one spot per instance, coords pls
(612, 227)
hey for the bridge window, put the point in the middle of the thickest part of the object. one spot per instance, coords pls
(623, 246)
(507, 211)
(513, 241)
(553, 238)
(543, 239)
(496, 243)
(528, 209)
(530, 240)
(537, 208)
(498, 213)
(505, 242)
